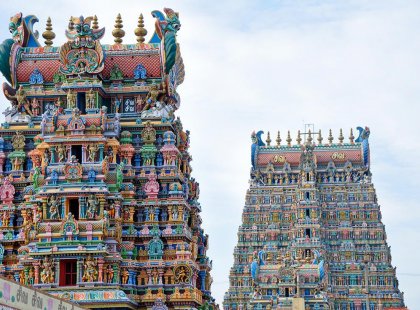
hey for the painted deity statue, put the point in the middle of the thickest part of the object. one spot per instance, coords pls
(92, 149)
(90, 99)
(90, 273)
(71, 100)
(47, 273)
(61, 154)
(54, 204)
(92, 204)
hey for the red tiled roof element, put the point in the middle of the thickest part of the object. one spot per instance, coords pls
(127, 64)
(323, 157)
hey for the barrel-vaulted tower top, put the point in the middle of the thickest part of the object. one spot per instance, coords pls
(83, 55)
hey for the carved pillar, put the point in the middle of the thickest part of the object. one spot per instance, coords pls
(101, 269)
(79, 271)
(101, 206)
(101, 152)
(36, 267)
(170, 213)
(180, 213)
(44, 208)
(57, 272)
(131, 209)
(52, 150)
(160, 275)
(149, 277)
(83, 159)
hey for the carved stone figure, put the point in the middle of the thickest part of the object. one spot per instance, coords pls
(71, 100)
(90, 99)
(54, 204)
(90, 270)
(47, 273)
(92, 206)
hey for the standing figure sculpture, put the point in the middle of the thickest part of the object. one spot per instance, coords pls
(92, 204)
(71, 100)
(90, 99)
(90, 273)
(54, 205)
(92, 149)
(47, 273)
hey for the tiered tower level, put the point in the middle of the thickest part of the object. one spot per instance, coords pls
(311, 234)
(98, 205)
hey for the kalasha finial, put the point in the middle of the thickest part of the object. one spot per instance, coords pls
(341, 137)
(48, 34)
(309, 140)
(319, 137)
(351, 138)
(71, 24)
(118, 33)
(95, 24)
(140, 31)
(268, 139)
(289, 139)
(278, 140)
(298, 139)
(330, 137)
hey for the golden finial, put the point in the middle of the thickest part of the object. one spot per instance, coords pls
(278, 140)
(140, 31)
(351, 138)
(268, 139)
(118, 33)
(330, 137)
(48, 34)
(288, 140)
(298, 139)
(319, 137)
(71, 24)
(341, 137)
(309, 140)
(95, 22)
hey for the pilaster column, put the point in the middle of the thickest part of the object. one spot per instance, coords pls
(52, 150)
(101, 152)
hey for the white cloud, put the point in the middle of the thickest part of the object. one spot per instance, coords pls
(275, 65)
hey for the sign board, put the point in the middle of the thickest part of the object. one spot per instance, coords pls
(17, 296)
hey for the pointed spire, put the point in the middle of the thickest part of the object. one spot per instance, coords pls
(289, 139)
(118, 32)
(351, 138)
(71, 24)
(278, 140)
(48, 34)
(298, 139)
(341, 137)
(330, 137)
(95, 24)
(309, 139)
(140, 31)
(319, 137)
(268, 139)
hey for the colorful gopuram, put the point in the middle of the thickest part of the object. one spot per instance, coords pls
(98, 205)
(311, 234)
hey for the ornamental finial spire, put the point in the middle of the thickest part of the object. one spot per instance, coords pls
(278, 140)
(48, 34)
(298, 139)
(330, 137)
(289, 139)
(341, 137)
(319, 137)
(351, 138)
(309, 139)
(118, 32)
(71, 24)
(268, 139)
(140, 31)
(95, 24)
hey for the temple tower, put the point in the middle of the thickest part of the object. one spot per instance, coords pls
(98, 204)
(311, 234)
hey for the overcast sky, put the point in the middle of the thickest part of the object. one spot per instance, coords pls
(276, 65)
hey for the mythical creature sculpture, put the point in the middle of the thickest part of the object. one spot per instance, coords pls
(364, 139)
(166, 29)
(18, 99)
(256, 142)
(83, 52)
